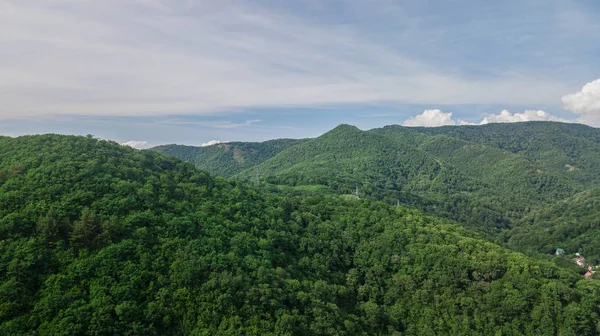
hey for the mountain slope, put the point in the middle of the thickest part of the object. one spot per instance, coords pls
(505, 173)
(102, 239)
(573, 225)
(486, 177)
(227, 159)
(569, 150)
(347, 156)
(480, 186)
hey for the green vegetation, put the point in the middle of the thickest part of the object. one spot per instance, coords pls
(570, 150)
(573, 225)
(484, 188)
(98, 239)
(487, 178)
(228, 159)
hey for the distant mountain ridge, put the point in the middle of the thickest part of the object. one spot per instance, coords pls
(486, 177)
(228, 159)
(555, 146)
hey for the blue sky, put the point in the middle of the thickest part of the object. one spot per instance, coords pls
(184, 71)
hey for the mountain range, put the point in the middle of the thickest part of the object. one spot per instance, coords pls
(405, 231)
(485, 177)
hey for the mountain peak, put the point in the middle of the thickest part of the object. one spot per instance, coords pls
(344, 129)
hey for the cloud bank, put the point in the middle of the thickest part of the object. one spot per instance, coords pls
(527, 115)
(136, 144)
(585, 103)
(212, 142)
(433, 118)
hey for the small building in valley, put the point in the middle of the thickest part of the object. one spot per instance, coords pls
(580, 261)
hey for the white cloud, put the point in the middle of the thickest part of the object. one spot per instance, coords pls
(136, 144)
(528, 115)
(212, 142)
(127, 57)
(431, 118)
(585, 103)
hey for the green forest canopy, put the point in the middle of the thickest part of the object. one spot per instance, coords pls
(486, 178)
(98, 239)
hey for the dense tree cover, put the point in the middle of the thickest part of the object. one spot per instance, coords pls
(573, 225)
(503, 172)
(228, 159)
(485, 177)
(482, 187)
(98, 239)
(570, 150)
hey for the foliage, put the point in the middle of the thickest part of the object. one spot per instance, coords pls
(98, 239)
(484, 177)
(573, 225)
(482, 187)
(569, 150)
(228, 159)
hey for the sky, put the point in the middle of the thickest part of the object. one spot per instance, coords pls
(151, 72)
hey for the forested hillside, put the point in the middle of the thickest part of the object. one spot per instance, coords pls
(98, 239)
(227, 159)
(572, 225)
(571, 150)
(383, 169)
(485, 177)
